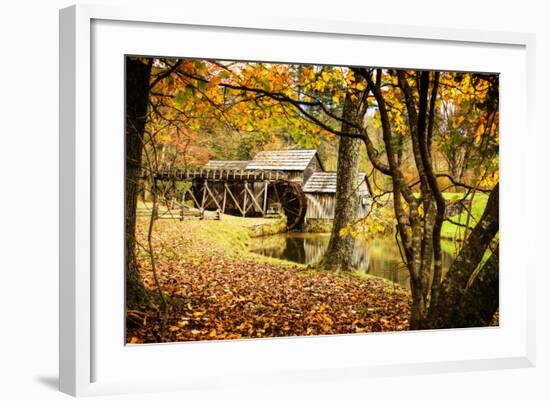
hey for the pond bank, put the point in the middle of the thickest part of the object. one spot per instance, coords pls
(261, 227)
(218, 289)
(378, 256)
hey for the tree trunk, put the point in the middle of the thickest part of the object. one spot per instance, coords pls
(137, 83)
(480, 301)
(339, 254)
(454, 285)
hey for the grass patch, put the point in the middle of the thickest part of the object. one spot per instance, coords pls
(367, 276)
(318, 226)
(191, 238)
(452, 231)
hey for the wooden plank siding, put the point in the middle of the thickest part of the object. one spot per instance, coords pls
(320, 191)
(320, 206)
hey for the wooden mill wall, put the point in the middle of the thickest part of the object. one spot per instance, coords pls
(312, 167)
(302, 176)
(322, 206)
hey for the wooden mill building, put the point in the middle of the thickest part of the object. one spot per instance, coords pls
(298, 164)
(320, 192)
(303, 169)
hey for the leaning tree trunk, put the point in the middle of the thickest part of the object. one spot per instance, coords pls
(339, 254)
(454, 288)
(480, 300)
(138, 74)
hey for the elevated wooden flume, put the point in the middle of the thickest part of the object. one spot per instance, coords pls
(243, 192)
(221, 175)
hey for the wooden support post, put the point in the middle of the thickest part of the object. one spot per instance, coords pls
(183, 205)
(212, 196)
(224, 197)
(195, 201)
(204, 194)
(244, 198)
(252, 198)
(233, 197)
(266, 184)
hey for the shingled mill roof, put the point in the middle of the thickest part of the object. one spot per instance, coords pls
(325, 182)
(227, 164)
(286, 160)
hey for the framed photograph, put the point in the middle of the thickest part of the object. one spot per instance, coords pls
(278, 200)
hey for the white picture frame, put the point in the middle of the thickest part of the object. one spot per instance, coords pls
(92, 359)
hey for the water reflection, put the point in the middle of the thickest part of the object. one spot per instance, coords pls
(379, 256)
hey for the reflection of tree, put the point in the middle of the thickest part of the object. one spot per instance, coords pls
(295, 249)
(272, 245)
(361, 258)
(314, 249)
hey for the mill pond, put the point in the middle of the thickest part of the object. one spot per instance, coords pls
(378, 257)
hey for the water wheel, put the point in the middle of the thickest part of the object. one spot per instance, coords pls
(293, 201)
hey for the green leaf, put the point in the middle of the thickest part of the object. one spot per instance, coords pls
(180, 97)
(202, 85)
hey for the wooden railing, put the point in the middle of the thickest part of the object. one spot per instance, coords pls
(221, 175)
